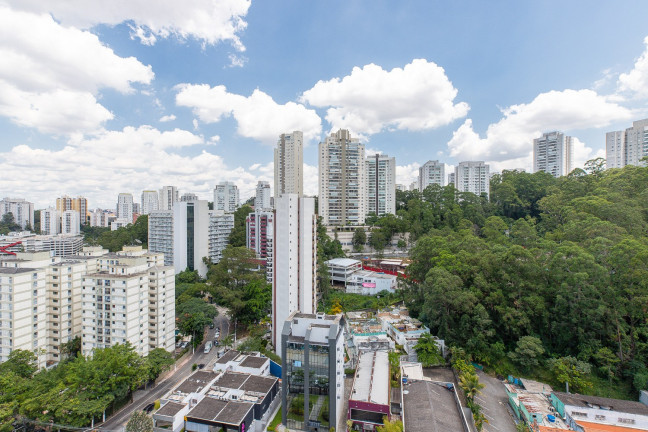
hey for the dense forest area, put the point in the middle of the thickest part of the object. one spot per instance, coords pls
(549, 275)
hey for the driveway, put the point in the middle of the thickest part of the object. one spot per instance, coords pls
(494, 403)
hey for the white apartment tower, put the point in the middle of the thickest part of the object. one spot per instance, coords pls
(289, 164)
(129, 298)
(627, 147)
(168, 196)
(125, 207)
(70, 223)
(23, 211)
(50, 220)
(553, 153)
(472, 177)
(262, 197)
(295, 262)
(342, 192)
(219, 230)
(432, 172)
(189, 233)
(150, 201)
(226, 197)
(380, 180)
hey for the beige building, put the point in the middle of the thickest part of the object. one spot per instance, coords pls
(130, 298)
(79, 204)
(289, 164)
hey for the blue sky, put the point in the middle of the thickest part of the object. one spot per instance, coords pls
(99, 99)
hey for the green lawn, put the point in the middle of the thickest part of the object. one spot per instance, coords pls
(275, 421)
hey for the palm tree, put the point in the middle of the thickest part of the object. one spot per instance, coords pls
(471, 385)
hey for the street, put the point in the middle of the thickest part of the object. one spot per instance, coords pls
(118, 420)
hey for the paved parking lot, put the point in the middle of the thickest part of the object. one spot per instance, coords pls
(494, 403)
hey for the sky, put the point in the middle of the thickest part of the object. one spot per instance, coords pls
(98, 98)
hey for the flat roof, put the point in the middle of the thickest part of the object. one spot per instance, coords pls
(231, 380)
(228, 356)
(343, 262)
(429, 407)
(218, 411)
(254, 362)
(15, 270)
(371, 381)
(198, 381)
(170, 409)
(259, 384)
(579, 400)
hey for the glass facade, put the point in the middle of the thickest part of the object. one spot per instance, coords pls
(190, 236)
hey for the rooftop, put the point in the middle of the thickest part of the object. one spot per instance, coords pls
(259, 384)
(196, 382)
(254, 362)
(228, 356)
(575, 399)
(371, 381)
(429, 407)
(342, 262)
(231, 380)
(170, 409)
(219, 411)
(15, 270)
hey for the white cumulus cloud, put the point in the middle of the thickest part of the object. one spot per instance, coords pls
(211, 21)
(129, 160)
(509, 142)
(416, 97)
(50, 75)
(258, 115)
(637, 79)
(167, 118)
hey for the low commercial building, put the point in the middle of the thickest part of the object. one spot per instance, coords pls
(237, 362)
(369, 401)
(341, 269)
(530, 403)
(404, 329)
(365, 333)
(430, 406)
(593, 413)
(349, 273)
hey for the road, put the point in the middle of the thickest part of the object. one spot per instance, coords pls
(494, 403)
(118, 420)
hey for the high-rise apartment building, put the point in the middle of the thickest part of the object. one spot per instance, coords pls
(168, 196)
(150, 201)
(380, 181)
(50, 221)
(125, 207)
(70, 223)
(289, 164)
(553, 153)
(130, 298)
(22, 211)
(627, 147)
(451, 179)
(79, 204)
(262, 197)
(189, 233)
(100, 218)
(472, 177)
(432, 172)
(188, 196)
(259, 237)
(226, 197)
(312, 354)
(342, 190)
(295, 262)
(220, 227)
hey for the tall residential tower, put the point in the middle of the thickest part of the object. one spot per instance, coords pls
(289, 164)
(553, 153)
(380, 180)
(627, 147)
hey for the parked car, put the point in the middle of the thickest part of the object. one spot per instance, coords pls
(148, 408)
(208, 347)
(201, 365)
(211, 325)
(184, 345)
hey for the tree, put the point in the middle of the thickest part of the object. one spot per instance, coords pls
(139, 422)
(21, 362)
(527, 352)
(157, 361)
(470, 384)
(238, 233)
(571, 372)
(71, 348)
(337, 307)
(359, 239)
(8, 224)
(427, 351)
(390, 426)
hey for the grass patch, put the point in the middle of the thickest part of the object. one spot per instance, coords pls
(275, 421)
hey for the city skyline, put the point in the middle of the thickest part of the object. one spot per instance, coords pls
(93, 106)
